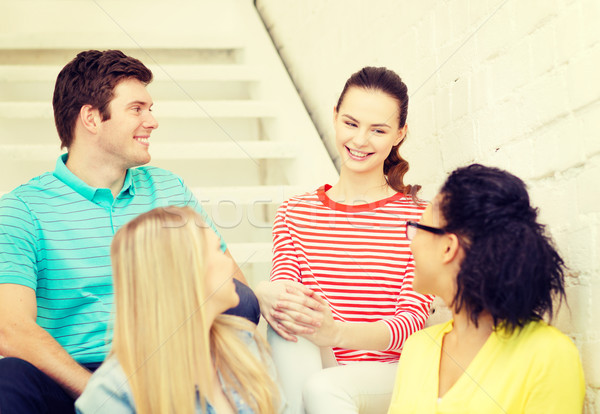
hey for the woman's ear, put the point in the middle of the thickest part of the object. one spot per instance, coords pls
(452, 249)
(90, 118)
(335, 114)
(401, 134)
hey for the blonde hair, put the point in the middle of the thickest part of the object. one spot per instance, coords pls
(161, 337)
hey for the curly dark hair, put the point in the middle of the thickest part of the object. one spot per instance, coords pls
(90, 79)
(511, 268)
(387, 81)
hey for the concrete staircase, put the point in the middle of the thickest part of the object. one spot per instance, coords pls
(231, 122)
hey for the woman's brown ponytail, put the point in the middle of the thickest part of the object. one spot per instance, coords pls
(394, 169)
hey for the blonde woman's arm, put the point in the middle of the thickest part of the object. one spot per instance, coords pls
(108, 391)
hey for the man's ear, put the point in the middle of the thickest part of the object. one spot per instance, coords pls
(90, 118)
(452, 249)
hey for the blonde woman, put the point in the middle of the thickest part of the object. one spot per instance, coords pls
(173, 351)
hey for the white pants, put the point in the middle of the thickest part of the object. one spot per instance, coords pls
(313, 388)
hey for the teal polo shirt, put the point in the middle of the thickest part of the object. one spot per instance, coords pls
(55, 235)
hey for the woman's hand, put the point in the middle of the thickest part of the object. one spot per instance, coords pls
(334, 333)
(329, 331)
(324, 334)
(289, 307)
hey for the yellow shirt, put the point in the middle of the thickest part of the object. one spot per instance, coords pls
(535, 370)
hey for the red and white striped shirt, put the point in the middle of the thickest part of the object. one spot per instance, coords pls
(357, 257)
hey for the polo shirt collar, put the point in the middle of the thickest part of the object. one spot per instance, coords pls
(128, 184)
(66, 176)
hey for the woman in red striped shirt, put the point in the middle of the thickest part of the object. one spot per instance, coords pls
(340, 294)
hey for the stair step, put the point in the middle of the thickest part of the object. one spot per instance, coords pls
(117, 24)
(48, 73)
(224, 150)
(251, 252)
(164, 109)
(267, 194)
(117, 40)
(172, 151)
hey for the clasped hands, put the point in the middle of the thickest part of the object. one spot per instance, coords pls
(294, 310)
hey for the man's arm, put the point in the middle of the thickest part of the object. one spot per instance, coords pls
(22, 337)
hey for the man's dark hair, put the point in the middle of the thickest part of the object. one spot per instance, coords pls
(90, 79)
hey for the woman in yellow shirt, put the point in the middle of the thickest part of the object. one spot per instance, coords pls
(479, 247)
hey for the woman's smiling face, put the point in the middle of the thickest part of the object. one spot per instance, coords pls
(366, 129)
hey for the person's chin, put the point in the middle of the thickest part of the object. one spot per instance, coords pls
(144, 160)
(235, 300)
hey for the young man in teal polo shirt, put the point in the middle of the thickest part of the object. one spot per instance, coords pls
(56, 293)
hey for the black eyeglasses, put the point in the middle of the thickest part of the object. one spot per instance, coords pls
(412, 226)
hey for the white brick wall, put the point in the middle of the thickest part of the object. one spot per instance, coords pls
(514, 84)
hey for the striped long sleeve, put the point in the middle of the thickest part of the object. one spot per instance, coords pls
(357, 258)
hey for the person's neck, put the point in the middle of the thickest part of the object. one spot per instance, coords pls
(360, 188)
(95, 172)
(465, 329)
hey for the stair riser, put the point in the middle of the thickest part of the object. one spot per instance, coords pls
(165, 90)
(42, 131)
